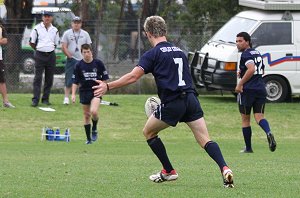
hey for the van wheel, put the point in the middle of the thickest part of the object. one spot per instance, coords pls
(28, 64)
(277, 89)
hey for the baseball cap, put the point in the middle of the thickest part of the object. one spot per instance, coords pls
(44, 12)
(76, 18)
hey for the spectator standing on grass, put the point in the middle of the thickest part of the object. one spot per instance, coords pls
(251, 91)
(71, 46)
(86, 72)
(43, 39)
(3, 90)
(179, 102)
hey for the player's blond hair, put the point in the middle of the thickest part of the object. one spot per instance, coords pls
(155, 25)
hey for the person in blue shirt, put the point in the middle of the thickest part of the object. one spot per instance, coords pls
(179, 103)
(86, 71)
(251, 91)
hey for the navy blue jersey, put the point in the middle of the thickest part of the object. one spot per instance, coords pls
(85, 74)
(170, 68)
(255, 82)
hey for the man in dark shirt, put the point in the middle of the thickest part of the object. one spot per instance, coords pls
(251, 91)
(179, 102)
(86, 72)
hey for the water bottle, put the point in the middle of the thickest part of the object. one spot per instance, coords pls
(57, 134)
(67, 134)
(50, 135)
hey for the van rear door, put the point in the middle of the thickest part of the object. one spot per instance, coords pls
(274, 40)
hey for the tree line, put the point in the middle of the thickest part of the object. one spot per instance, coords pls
(192, 13)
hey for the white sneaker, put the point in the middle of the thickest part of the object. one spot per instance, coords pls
(163, 176)
(8, 105)
(66, 101)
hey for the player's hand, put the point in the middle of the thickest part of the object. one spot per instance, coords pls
(239, 88)
(238, 74)
(100, 89)
(73, 98)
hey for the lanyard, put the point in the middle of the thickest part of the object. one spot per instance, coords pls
(76, 39)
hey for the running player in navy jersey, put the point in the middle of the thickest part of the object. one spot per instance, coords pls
(179, 102)
(85, 73)
(251, 91)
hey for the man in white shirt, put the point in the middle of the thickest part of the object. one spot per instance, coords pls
(44, 39)
(72, 41)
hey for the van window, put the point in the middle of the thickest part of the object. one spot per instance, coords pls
(279, 33)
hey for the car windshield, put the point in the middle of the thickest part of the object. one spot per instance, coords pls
(235, 25)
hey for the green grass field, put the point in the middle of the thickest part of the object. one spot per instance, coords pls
(119, 164)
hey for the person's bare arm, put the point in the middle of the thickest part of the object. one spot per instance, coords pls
(64, 47)
(33, 45)
(3, 41)
(126, 79)
(249, 73)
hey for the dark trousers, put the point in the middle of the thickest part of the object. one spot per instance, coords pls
(44, 62)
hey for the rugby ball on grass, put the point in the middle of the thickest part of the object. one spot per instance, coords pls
(151, 105)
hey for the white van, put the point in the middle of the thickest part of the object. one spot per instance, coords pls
(274, 27)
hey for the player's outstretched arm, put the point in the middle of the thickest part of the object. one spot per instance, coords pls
(100, 89)
(129, 78)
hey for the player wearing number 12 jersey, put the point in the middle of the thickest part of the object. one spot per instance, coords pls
(251, 91)
(169, 66)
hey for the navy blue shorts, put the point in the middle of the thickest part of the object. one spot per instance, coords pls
(86, 97)
(186, 108)
(255, 100)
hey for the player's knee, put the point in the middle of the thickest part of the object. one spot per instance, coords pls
(246, 119)
(258, 118)
(145, 132)
(94, 113)
(87, 115)
(148, 134)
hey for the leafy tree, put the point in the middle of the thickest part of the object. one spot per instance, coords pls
(199, 13)
(171, 10)
(18, 16)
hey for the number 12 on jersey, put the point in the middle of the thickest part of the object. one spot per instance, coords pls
(258, 65)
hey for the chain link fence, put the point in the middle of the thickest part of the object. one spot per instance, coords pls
(119, 44)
